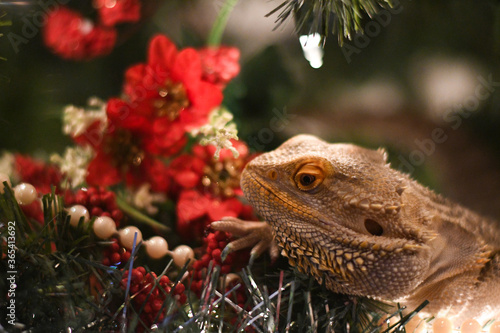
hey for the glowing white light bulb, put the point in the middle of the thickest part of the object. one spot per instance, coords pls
(313, 51)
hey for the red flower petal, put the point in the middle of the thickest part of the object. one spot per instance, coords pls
(204, 96)
(187, 66)
(157, 174)
(192, 205)
(229, 207)
(187, 178)
(162, 52)
(101, 172)
(92, 135)
(169, 137)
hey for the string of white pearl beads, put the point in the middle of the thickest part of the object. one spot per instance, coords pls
(156, 246)
(76, 212)
(126, 236)
(4, 178)
(182, 254)
(104, 227)
(25, 193)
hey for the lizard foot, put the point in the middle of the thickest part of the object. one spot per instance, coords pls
(257, 235)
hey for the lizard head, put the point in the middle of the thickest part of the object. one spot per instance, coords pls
(338, 212)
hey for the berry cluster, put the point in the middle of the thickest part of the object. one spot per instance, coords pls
(99, 201)
(215, 242)
(115, 255)
(149, 291)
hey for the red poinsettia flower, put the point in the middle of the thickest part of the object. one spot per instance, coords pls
(71, 36)
(113, 12)
(169, 90)
(220, 64)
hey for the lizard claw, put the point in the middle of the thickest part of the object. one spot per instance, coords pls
(257, 235)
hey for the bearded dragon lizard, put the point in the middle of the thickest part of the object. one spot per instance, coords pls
(340, 213)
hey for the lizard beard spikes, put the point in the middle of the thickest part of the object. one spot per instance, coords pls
(341, 214)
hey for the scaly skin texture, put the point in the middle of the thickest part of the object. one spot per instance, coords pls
(341, 214)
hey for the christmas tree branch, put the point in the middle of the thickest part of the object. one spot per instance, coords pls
(324, 16)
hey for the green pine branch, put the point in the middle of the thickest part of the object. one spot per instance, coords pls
(344, 18)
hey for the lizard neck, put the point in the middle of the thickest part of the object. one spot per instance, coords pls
(446, 211)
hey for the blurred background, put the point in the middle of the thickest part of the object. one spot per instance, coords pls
(424, 83)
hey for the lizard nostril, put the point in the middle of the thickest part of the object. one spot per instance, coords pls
(373, 227)
(272, 174)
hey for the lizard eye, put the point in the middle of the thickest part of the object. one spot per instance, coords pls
(308, 177)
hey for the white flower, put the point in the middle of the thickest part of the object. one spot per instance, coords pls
(73, 164)
(144, 199)
(76, 120)
(219, 131)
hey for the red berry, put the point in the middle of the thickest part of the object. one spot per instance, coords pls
(211, 245)
(95, 200)
(117, 215)
(108, 197)
(205, 259)
(134, 288)
(91, 191)
(220, 236)
(114, 247)
(125, 256)
(216, 254)
(164, 280)
(179, 289)
(81, 198)
(137, 275)
(225, 269)
(96, 211)
(115, 258)
(140, 299)
(210, 237)
(157, 305)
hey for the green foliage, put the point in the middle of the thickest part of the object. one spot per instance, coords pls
(54, 263)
